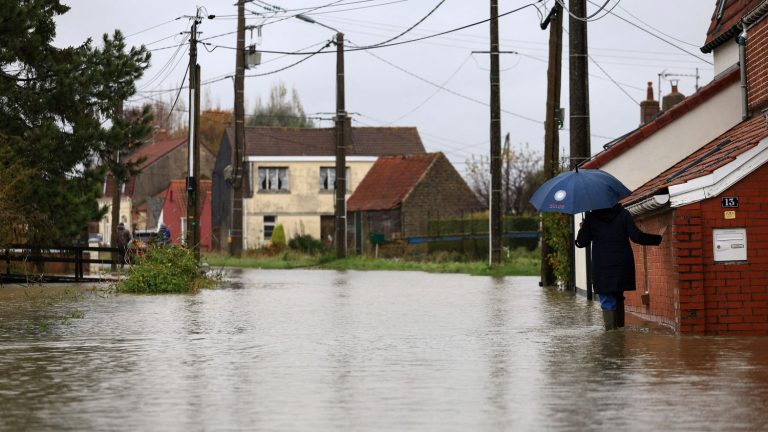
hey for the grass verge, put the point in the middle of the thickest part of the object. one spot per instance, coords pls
(518, 263)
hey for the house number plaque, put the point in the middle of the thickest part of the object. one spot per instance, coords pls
(730, 202)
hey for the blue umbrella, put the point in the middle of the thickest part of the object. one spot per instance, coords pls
(579, 191)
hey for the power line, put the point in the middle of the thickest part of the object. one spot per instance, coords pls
(406, 41)
(291, 65)
(154, 27)
(619, 86)
(442, 86)
(406, 31)
(589, 18)
(451, 91)
(665, 34)
(177, 95)
(655, 35)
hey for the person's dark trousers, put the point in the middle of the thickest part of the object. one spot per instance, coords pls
(620, 310)
(610, 303)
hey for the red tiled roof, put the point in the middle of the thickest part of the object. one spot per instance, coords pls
(727, 25)
(665, 118)
(152, 151)
(366, 141)
(389, 181)
(155, 150)
(707, 159)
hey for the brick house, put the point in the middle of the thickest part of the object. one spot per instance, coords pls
(289, 178)
(400, 194)
(142, 195)
(175, 212)
(710, 274)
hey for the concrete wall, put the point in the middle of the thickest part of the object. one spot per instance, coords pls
(678, 139)
(725, 56)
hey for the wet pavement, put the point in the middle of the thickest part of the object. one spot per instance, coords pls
(363, 351)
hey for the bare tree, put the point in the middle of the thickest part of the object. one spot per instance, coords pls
(521, 175)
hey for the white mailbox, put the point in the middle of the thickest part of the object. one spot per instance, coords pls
(730, 244)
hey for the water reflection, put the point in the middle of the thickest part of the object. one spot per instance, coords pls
(324, 350)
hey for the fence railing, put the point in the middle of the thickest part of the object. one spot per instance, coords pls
(57, 254)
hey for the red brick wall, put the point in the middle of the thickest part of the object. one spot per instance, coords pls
(689, 250)
(757, 65)
(724, 298)
(655, 273)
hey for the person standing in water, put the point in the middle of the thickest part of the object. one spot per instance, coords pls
(613, 262)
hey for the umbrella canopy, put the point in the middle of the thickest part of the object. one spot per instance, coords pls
(579, 191)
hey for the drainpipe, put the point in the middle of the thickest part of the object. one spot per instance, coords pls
(742, 41)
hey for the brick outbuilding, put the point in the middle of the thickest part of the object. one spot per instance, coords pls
(710, 274)
(400, 193)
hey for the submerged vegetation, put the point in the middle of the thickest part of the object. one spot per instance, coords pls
(165, 269)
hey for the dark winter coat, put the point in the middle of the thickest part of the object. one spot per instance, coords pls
(123, 237)
(613, 263)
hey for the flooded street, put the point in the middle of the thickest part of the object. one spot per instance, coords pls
(315, 350)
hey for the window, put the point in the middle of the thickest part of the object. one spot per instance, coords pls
(328, 177)
(269, 226)
(273, 180)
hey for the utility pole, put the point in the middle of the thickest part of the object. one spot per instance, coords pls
(236, 229)
(193, 229)
(341, 147)
(579, 105)
(495, 210)
(578, 68)
(552, 119)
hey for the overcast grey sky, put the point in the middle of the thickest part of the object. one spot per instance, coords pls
(437, 84)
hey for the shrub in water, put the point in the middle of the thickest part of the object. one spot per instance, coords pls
(165, 269)
(306, 244)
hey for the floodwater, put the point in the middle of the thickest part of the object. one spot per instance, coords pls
(315, 350)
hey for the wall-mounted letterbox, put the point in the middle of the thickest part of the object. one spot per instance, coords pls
(730, 244)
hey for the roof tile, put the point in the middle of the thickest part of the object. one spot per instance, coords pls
(366, 141)
(389, 181)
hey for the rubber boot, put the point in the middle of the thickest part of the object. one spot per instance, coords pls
(609, 318)
(620, 311)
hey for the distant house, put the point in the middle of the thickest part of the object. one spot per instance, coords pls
(174, 214)
(290, 178)
(400, 194)
(142, 195)
(710, 273)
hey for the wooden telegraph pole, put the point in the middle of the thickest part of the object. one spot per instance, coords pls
(578, 68)
(495, 228)
(341, 145)
(552, 118)
(193, 229)
(236, 229)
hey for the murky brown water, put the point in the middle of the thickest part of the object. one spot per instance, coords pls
(328, 351)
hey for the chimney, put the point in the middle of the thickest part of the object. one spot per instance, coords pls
(673, 98)
(649, 108)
